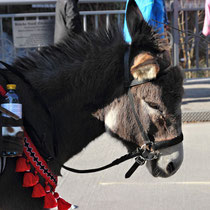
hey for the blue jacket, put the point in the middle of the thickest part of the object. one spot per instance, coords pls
(151, 10)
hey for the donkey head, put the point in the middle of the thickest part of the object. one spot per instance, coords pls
(157, 101)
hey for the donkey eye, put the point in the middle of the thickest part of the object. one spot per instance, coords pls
(153, 105)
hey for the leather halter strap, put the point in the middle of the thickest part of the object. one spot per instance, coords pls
(151, 148)
(128, 85)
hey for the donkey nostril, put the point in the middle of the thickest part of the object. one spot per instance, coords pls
(170, 167)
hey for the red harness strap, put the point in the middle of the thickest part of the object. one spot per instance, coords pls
(30, 179)
(38, 162)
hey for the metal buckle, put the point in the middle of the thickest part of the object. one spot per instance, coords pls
(148, 153)
(147, 146)
(140, 160)
(143, 153)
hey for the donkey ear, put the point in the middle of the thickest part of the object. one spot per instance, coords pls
(145, 67)
(134, 18)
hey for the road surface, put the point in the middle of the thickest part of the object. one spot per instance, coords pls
(188, 189)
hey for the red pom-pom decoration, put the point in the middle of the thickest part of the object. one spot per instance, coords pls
(56, 196)
(49, 201)
(2, 91)
(38, 191)
(29, 180)
(22, 165)
(63, 205)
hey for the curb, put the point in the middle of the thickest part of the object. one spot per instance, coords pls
(200, 116)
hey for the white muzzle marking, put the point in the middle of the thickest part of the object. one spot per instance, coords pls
(172, 154)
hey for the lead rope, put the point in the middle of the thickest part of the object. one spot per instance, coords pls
(138, 152)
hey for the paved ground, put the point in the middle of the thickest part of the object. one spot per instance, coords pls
(196, 102)
(188, 189)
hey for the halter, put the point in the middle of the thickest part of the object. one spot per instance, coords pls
(149, 150)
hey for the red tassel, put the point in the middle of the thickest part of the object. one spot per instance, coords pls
(29, 180)
(49, 201)
(22, 165)
(2, 91)
(62, 204)
(38, 191)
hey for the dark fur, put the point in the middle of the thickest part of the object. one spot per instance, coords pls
(73, 79)
(66, 90)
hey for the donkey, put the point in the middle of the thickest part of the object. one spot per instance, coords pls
(74, 91)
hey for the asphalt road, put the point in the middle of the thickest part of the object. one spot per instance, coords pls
(188, 189)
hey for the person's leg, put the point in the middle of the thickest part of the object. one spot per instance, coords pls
(73, 22)
(67, 19)
(60, 20)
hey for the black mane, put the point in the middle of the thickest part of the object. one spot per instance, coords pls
(70, 64)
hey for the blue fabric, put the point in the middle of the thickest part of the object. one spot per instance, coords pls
(151, 10)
